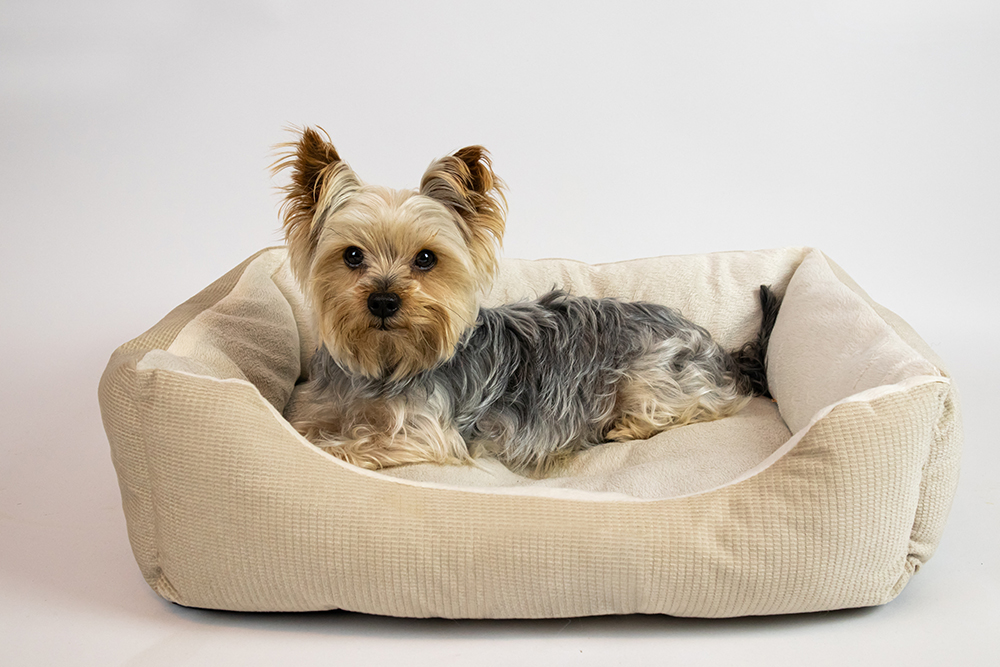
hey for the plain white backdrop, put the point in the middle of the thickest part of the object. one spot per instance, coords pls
(134, 146)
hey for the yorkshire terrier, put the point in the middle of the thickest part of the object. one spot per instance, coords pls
(409, 368)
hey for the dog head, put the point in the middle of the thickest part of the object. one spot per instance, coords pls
(393, 277)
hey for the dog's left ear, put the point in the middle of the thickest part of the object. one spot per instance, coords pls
(464, 182)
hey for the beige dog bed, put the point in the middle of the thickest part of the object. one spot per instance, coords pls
(830, 497)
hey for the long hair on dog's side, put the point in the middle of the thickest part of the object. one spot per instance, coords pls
(464, 182)
(321, 182)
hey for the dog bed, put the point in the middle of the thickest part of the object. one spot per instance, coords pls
(831, 496)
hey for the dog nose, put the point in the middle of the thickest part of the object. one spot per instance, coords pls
(383, 304)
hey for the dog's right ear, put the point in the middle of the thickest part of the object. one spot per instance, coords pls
(321, 183)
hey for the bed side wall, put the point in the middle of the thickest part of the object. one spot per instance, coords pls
(119, 397)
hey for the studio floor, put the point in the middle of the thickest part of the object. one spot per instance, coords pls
(134, 152)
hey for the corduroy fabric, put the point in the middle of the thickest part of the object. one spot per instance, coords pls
(228, 508)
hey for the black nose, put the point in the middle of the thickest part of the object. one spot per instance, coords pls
(383, 304)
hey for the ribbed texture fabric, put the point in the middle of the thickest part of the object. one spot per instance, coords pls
(228, 508)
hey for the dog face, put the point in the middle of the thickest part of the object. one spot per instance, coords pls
(393, 277)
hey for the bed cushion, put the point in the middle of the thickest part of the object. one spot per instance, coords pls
(830, 497)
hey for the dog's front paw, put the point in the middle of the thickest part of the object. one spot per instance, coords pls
(376, 456)
(370, 459)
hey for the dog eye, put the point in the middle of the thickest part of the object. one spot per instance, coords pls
(353, 257)
(425, 260)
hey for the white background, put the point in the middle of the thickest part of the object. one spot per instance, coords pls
(134, 146)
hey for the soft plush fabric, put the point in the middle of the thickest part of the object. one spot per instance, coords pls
(830, 497)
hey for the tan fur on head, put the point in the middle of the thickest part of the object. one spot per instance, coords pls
(437, 306)
(458, 215)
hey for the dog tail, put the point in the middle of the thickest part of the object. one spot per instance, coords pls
(751, 359)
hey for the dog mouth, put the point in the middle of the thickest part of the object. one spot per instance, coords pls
(386, 324)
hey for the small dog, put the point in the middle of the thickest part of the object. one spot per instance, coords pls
(410, 369)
